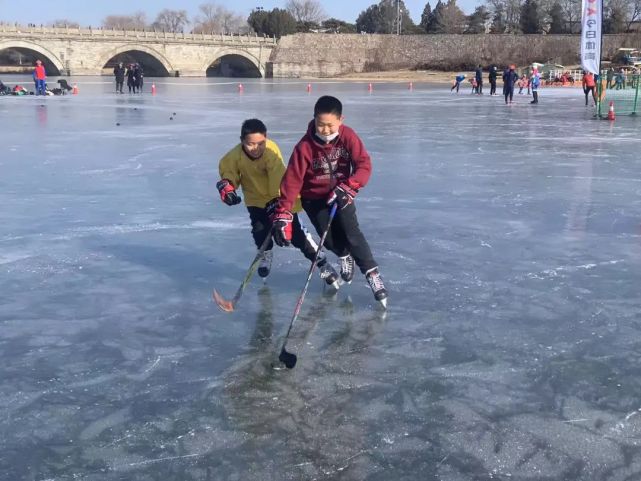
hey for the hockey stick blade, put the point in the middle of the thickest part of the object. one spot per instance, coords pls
(228, 306)
(222, 303)
(287, 358)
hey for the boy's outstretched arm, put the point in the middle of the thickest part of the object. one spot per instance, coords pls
(229, 179)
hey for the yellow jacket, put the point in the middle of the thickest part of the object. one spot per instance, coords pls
(260, 178)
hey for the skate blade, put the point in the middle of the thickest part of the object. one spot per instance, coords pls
(223, 303)
(383, 302)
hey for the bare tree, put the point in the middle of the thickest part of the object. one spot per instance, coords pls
(137, 21)
(572, 13)
(63, 22)
(634, 12)
(217, 19)
(511, 11)
(171, 20)
(305, 11)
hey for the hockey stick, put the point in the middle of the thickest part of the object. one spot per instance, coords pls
(285, 357)
(229, 306)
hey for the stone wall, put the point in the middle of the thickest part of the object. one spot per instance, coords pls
(328, 55)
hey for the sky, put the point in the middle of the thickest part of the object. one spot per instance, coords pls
(92, 13)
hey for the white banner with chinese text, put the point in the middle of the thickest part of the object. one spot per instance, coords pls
(591, 24)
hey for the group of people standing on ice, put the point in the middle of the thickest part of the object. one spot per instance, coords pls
(134, 74)
(510, 79)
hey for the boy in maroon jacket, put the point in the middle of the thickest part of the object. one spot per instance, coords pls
(330, 164)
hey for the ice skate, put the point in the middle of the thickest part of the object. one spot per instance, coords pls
(265, 264)
(376, 284)
(328, 274)
(347, 268)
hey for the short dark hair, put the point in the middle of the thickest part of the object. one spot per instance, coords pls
(328, 105)
(252, 126)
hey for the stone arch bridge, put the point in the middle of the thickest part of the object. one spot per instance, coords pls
(86, 51)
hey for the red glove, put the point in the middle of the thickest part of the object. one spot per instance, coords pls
(282, 230)
(344, 193)
(227, 192)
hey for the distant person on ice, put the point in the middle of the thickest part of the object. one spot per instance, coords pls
(330, 165)
(492, 78)
(119, 73)
(256, 165)
(589, 85)
(131, 81)
(457, 82)
(510, 77)
(535, 83)
(479, 80)
(40, 77)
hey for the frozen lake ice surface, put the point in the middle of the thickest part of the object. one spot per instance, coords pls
(509, 239)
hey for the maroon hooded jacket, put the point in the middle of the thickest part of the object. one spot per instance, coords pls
(315, 168)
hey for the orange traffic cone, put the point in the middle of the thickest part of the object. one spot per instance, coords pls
(370, 88)
(309, 88)
(75, 89)
(241, 89)
(410, 86)
(153, 89)
(611, 115)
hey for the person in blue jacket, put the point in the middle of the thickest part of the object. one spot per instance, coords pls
(457, 82)
(535, 82)
(510, 78)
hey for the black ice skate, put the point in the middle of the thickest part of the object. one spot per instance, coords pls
(347, 268)
(265, 264)
(328, 273)
(376, 284)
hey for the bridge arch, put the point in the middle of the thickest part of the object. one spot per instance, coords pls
(155, 64)
(231, 62)
(53, 64)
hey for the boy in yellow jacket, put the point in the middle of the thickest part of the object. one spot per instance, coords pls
(256, 165)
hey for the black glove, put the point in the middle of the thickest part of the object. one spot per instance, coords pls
(270, 208)
(228, 192)
(343, 194)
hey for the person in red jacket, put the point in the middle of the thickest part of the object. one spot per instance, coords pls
(40, 77)
(330, 165)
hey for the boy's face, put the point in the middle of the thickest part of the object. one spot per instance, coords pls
(254, 145)
(328, 124)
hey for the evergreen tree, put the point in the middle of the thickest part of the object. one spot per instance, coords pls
(432, 25)
(425, 17)
(557, 19)
(338, 26)
(277, 22)
(449, 18)
(382, 18)
(498, 21)
(530, 20)
(477, 21)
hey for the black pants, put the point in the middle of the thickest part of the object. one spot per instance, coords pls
(492, 87)
(587, 91)
(344, 236)
(262, 227)
(119, 84)
(509, 93)
(479, 89)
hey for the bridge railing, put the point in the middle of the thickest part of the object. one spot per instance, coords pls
(20, 30)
